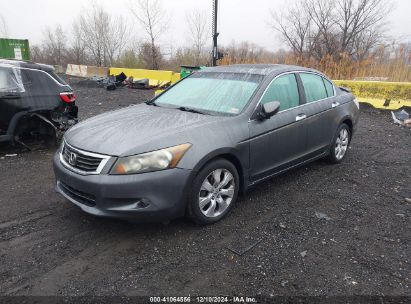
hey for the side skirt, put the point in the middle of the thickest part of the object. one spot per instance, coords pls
(319, 156)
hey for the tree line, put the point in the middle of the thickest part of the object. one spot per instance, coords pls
(97, 37)
(345, 39)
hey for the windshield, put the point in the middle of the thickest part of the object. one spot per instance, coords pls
(224, 93)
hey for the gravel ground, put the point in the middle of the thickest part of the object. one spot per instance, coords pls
(318, 230)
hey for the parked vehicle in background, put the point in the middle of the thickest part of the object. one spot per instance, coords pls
(33, 100)
(192, 149)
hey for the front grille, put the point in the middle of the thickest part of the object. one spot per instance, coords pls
(78, 196)
(79, 160)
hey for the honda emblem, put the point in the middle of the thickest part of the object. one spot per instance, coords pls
(73, 159)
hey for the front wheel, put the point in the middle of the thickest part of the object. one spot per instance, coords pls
(339, 146)
(214, 192)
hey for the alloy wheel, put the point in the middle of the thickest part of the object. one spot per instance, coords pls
(341, 144)
(216, 193)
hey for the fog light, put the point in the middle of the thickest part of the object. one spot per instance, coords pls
(143, 203)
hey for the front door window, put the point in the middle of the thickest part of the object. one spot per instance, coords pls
(285, 90)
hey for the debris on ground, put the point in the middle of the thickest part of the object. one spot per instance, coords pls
(93, 82)
(10, 155)
(284, 283)
(322, 216)
(137, 84)
(304, 253)
(349, 280)
(145, 84)
(112, 82)
(408, 200)
(401, 118)
(241, 251)
(283, 226)
(120, 77)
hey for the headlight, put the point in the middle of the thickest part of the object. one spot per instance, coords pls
(152, 161)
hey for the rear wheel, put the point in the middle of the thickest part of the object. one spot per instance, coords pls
(34, 130)
(340, 144)
(214, 192)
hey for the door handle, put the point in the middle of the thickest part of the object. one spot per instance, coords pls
(300, 117)
(335, 104)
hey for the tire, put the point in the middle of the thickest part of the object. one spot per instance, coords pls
(340, 144)
(210, 202)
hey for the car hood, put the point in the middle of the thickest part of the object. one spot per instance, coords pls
(137, 129)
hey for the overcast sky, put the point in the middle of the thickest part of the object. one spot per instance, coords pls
(240, 20)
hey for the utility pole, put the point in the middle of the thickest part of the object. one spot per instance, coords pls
(215, 33)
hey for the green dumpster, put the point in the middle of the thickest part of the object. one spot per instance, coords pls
(14, 49)
(187, 70)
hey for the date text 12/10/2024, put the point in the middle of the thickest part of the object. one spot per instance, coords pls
(207, 299)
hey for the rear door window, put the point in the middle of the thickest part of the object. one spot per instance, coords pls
(329, 87)
(39, 83)
(57, 77)
(11, 80)
(314, 87)
(285, 90)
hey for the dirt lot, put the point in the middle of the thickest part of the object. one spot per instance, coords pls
(362, 246)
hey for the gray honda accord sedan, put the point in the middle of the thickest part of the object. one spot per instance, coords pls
(194, 148)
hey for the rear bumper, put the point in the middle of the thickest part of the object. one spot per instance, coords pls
(147, 197)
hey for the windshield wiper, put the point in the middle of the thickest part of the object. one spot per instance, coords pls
(182, 108)
(151, 103)
(191, 110)
(10, 95)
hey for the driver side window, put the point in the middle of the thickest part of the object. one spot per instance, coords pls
(285, 90)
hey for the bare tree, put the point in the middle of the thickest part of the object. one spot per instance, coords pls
(103, 36)
(146, 55)
(37, 54)
(94, 24)
(130, 58)
(294, 27)
(78, 52)
(152, 18)
(359, 18)
(4, 31)
(115, 39)
(321, 14)
(245, 52)
(199, 31)
(55, 45)
(332, 27)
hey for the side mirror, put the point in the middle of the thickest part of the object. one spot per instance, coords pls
(269, 109)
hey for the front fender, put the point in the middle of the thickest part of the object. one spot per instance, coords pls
(239, 157)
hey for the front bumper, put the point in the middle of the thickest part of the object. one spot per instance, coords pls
(154, 196)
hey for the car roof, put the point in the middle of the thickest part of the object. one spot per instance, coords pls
(26, 64)
(259, 69)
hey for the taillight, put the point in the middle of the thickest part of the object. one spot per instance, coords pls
(68, 97)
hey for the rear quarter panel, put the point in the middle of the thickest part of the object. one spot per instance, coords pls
(348, 110)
